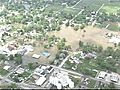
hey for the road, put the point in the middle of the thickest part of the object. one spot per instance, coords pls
(64, 61)
(76, 3)
(76, 15)
(99, 9)
(107, 26)
(67, 58)
(13, 71)
(93, 23)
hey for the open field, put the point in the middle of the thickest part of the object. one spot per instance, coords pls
(95, 5)
(92, 35)
(91, 4)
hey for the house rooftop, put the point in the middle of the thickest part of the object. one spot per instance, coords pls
(114, 78)
(61, 79)
(20, 71)
(6, 67)
(40, 81)
(36, 56)
(102, 74)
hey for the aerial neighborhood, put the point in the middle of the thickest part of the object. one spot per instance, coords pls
(59, 44)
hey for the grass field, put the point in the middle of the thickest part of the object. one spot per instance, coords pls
(2, 71)
(111, 9)
(91, 4)
(71, 10)
(91, 84)
(114, 27)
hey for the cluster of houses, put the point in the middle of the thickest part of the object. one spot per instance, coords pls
(115, 39)
(109, 77)
(61, 80)
(75, 58)
(19, 75)
(40, 74)
(12, 49)
(53, 77)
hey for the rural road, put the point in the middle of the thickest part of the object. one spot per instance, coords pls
(77, 3)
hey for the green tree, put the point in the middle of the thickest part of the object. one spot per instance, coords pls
(82, 26)
(80, 44)
(30, 66)
(61, 45)
(18, 59)
(76, 27)
(11, 57)
(111, 86)
(2, 57)
(58, 28)
(12, 86)
(67, 24)
(100, 48)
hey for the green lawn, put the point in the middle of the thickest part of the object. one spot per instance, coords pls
(86, 67)
(111, 9)
(75, 80)
(3, 72)
(114, 27)
(54, 8)
(91, 84)
(71, 11)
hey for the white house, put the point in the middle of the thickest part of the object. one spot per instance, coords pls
(40, 81)
(114, 78)
(102, 74)
(61, 79)
(114, 40)
(6, 67)
(36, 56)
(20, 71)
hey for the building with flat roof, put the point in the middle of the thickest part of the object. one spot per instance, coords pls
(40, 81)
(36, 56)
(61, 79)
(102, 74)
(6, 67)
(20, 71)
(114, 78)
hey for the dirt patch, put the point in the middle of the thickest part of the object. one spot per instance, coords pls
(92, 34)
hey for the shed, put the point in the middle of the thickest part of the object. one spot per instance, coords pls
(36, 56)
